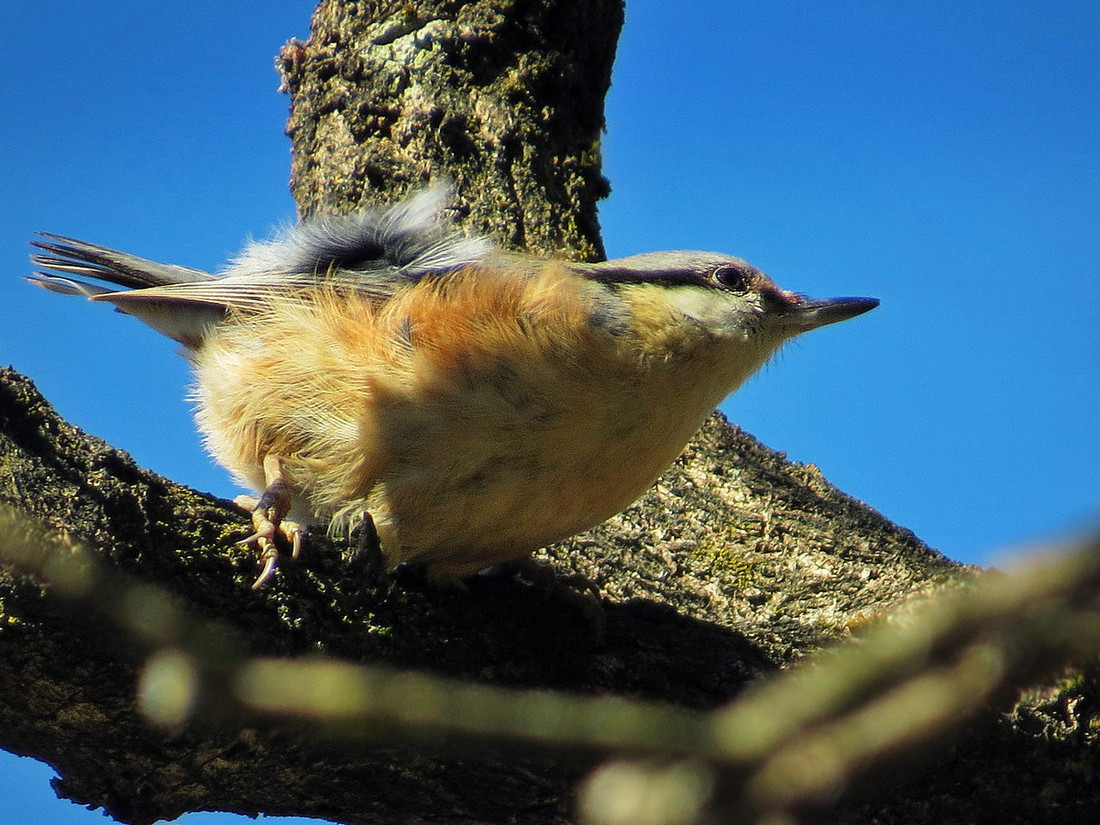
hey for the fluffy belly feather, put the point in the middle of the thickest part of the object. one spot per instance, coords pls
(474, 426)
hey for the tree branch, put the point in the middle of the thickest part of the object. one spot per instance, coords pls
(794, 745)
(68, 679)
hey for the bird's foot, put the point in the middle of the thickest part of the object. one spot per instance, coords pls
(269, 519)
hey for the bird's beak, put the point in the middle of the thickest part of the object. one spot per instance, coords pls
(803, 314)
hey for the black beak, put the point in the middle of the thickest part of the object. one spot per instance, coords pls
(805, 314)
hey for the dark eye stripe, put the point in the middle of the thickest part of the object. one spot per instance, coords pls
(730, 275)
(670, 277)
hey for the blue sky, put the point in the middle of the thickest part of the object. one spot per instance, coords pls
(943, 157)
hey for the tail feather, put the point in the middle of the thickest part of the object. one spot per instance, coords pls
(128, 276)
(67, 286)
(104, 264)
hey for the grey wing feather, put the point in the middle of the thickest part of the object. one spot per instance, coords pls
(67, 286)
(234, 291)
(374, 251)
(405, 241)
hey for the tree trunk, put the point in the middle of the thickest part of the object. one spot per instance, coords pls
(503, 97)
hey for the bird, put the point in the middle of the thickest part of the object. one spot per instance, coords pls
(463, 404)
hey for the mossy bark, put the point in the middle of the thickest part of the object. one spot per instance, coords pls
(503, 97)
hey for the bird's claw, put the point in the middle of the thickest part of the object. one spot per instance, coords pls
(271, 561)
(267, 522)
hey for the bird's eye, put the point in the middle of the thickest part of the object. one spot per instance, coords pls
(732, 277)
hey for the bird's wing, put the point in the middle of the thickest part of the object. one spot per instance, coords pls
(373, 251)
(404, 241)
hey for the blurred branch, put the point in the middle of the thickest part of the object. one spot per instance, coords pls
(794, 744)
(799, 742)
(199, 669)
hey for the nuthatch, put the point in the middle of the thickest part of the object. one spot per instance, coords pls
(473, 405)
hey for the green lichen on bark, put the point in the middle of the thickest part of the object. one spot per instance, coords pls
(505, 99)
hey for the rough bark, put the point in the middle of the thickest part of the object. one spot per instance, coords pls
(736, 563)
(699, 603)
(504, 97)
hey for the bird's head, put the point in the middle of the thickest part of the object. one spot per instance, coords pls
(724, 296)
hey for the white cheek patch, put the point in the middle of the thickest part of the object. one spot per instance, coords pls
(719, 312)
